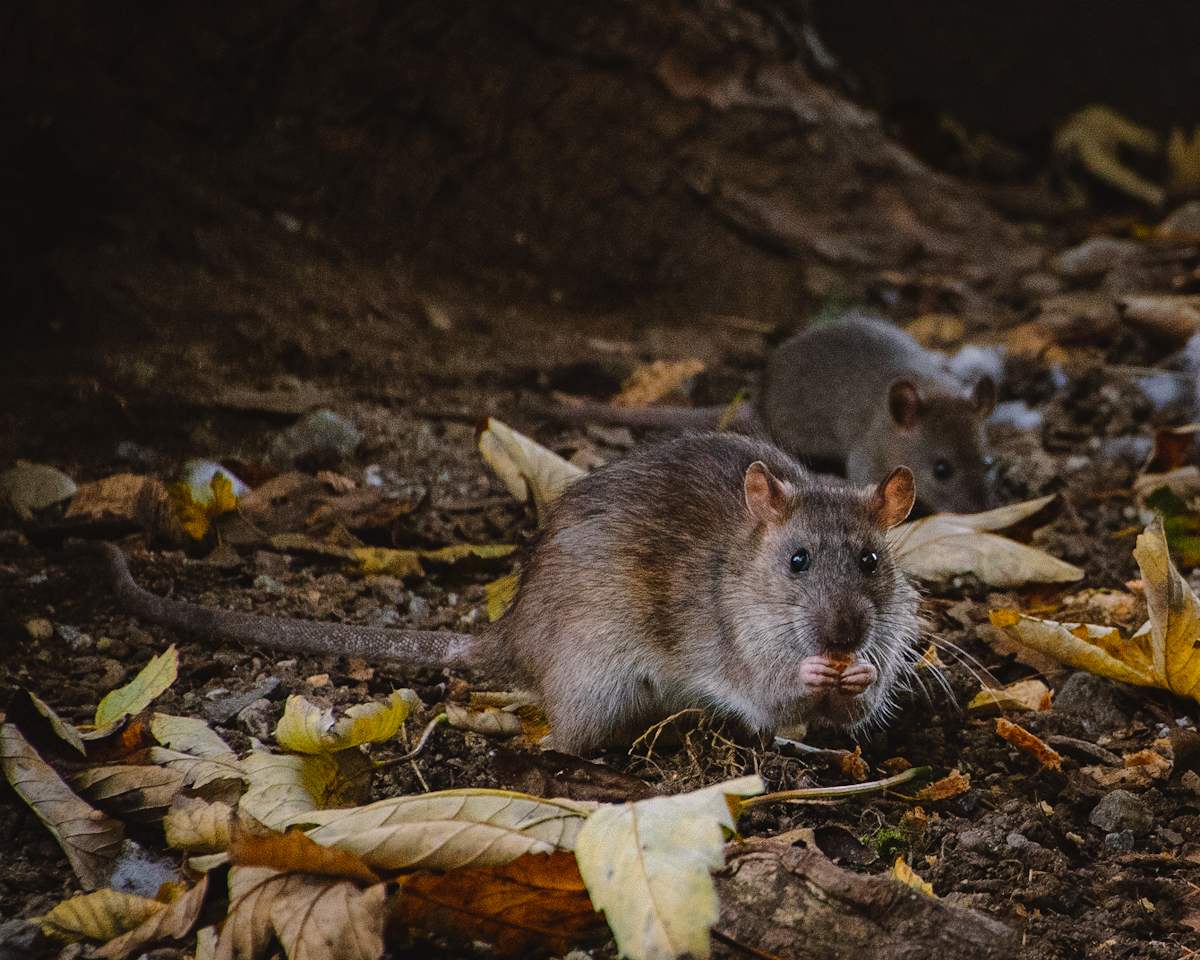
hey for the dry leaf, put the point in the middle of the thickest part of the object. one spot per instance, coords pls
(1026, 742)
(293, 852)
(646, 865)
(1022, 695)
(137, 792)
(492, 721)
(197, 826)
(1163, 653)
(141, 691)
(280, 787)
(450, 829)
(535, 901)
(314, 918)
(908, 876)
(527, 468)
(1173, 319)
(1096, 135)
(195, 750)
(500, 595)
(102, 916)
(647, 384)
(949, 544)
(383, 561)
(91, 840)
(1183, 163)
(170, 924)
(950, 785)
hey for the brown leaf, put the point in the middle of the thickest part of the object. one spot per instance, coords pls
(293, 852)
(537, 900)
(129, 791)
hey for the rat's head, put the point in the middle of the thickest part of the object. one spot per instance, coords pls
(940, 437)
(834, 615)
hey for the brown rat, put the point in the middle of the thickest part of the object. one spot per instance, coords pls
(705, 571)
(857, 395)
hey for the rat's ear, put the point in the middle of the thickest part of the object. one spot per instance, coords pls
(905, 404)
(893, 499)
(766, 496)
(984, 397)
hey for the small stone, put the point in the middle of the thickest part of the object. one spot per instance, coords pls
(321, 437)
(1092, 700)
(1097, 255)
(39, 628)
(256, 719)
(75, 638)
(382, 618)
(1020, 843)
(418, 607)
(1121, 810)
(389, 590)
(1119, 842)
(34, 486)
(1185, 220)
(268, 584)
(977, 841)
(1169, 837)
(20, 938)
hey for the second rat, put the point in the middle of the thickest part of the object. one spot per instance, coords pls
(857, 395)
(707, 571)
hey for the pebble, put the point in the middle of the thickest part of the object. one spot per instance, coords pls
(1097, 255)
(268, 584)
(1017, 414)
(1119, 842)
(221, 711)
(320, 431)
(256, 719)
(418, 607)
(1185, 219)
(977, 841)
(1092, 700)
(1121, 810)
(75, 638)
(1161, 389)
(39, 628)
(34, 486)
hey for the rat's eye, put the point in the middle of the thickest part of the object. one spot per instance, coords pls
(868, 561)
(800, 560)
(943, 469)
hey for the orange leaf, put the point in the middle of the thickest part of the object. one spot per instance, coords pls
(1026, 742)
(535, 900)
(294, 852)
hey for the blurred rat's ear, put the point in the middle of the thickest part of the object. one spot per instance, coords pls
(766, 497)
(905, 404)
(984, 397)
(893, 499)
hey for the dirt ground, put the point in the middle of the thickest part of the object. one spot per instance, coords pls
(158, 315)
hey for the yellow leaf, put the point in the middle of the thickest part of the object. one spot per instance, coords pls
(1022, 695)
(197, 515)
(1174, 614)
(141, 691)
(307, 728)
(526, 467)
(102, 915)
(381, 561)
(908, 876)
(1084, 646)
(196, 826)
(500, 595)
(1096, 135)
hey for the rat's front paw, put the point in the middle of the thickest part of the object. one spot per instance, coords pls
(857, 678)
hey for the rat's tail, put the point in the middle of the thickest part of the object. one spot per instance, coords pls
(411, 648)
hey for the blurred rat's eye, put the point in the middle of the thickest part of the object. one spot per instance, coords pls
(868, 561)
(800, 561)
(943, 469)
